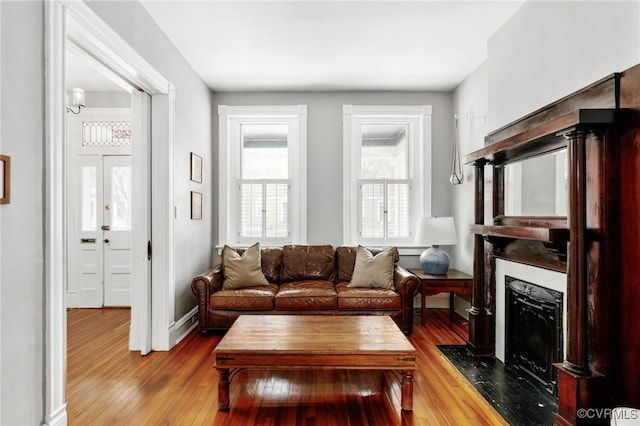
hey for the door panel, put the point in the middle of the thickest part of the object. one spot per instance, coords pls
(87, 242)
(100, 262)
(117, 239)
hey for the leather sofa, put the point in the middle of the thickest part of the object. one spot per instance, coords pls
(304, 279)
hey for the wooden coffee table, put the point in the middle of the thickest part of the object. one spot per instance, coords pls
(315, 342)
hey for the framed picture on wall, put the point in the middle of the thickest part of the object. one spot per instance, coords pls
(196, 205)
(5, 179)
(196, 168)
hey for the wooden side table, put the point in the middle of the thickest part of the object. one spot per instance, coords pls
(453, 282)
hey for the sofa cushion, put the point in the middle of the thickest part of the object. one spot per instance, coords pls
(346, 260)
(272, 263)
(373, 271)
(242, 270)
(307, 263)
(365, 299)
(306, 295)
(258, 298)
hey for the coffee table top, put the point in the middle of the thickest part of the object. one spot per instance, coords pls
(315, 334)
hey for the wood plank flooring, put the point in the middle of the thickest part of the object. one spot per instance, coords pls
(108, 385)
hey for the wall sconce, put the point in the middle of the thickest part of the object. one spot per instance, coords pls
(77, 100)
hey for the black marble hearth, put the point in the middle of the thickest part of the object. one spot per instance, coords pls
(518, 401)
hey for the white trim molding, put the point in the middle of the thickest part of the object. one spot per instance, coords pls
(181, 328)
(55, 408)
(230, 119)
(162, 233)
(418, 118)
(91, 34)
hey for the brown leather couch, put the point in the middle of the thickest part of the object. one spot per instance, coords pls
(304, 280)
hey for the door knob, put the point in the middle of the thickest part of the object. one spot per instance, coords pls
(106, 241)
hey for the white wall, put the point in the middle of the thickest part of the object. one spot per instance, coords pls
(22, 289)
(324, 150)
(107, 98)
(548, 50)
(470, 104)
(21, 222)
(193, 133)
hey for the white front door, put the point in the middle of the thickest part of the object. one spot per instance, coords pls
(85, 260)
(100, 261)
(117, 230)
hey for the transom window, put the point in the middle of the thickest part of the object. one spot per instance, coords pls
(263, 170)
(386, 165)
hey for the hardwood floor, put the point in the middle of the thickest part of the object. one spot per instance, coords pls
(107, 384)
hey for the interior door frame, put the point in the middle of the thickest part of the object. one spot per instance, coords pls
(149, 328)
(74, 152)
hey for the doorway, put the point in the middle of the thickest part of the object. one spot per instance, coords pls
(99, 137)
(68, 23)
(99, 243)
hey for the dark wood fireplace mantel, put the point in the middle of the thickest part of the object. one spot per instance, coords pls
(599, 127)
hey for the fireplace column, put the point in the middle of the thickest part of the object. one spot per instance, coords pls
(481, 342)
(576, 382)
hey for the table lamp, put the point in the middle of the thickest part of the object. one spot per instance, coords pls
(434, 232)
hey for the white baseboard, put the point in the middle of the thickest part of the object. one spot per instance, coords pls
(437, 301)
(72, 300)
(461, 306)
(57, 418)
(183, 326)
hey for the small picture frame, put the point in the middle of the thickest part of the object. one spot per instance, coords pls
(196, 205)
(196, 168)
(5, 179)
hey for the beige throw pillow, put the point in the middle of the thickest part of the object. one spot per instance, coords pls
(242, 271)
(373, 271)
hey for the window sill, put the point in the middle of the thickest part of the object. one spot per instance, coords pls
(402, 250)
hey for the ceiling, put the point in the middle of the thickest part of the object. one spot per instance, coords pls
(331, 45)
(321, 45)
(84, 73)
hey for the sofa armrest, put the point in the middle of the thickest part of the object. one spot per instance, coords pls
(203, 286)
(406, 284)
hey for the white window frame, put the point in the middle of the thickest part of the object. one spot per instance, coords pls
(419, 120)
(230, 120)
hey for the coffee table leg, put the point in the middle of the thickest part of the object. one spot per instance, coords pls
(407, 390)
(223, 389)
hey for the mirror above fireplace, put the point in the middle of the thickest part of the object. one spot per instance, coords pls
(537, 186)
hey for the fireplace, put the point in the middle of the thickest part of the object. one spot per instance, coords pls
(534, 335)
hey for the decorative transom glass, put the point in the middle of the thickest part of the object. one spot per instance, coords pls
(106, 133)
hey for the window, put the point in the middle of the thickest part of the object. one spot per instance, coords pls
(263, 174)
(386, 169)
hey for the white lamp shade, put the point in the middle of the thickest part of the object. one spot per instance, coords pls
(77, 97)
(436, 231)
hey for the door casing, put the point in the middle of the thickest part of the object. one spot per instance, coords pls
(76, 20)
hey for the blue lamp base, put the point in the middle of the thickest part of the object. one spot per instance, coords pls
(435, 261)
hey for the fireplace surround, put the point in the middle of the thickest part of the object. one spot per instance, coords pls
(596, 244)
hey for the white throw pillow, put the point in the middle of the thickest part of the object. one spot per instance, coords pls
(373, 271)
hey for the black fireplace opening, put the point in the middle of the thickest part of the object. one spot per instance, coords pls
(534, 336)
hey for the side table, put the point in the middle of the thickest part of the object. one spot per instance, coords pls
(453, 282)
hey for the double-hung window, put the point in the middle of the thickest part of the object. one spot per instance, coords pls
(386, 173)
(263, 174)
